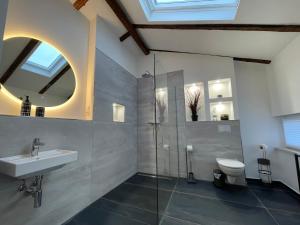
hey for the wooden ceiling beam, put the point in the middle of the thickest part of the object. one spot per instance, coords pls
(228, 27)
(20, 58)
(119, 12)
(55, 79)
(78, 4)
(124, 36)
(261, 61)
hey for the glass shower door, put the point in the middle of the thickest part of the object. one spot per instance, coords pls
(170, 121)
(161, 120)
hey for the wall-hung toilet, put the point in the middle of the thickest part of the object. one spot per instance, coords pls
(232, 168)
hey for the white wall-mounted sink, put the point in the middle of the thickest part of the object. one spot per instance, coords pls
(27, 165)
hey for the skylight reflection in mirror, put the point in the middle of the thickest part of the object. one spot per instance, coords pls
(44, 60)
(44, 56)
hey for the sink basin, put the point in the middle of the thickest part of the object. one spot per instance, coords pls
(26, 165)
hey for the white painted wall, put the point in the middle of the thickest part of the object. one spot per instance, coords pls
(58, 23)
(197, 68)
(3, 9)
(284, 80)
(109, 43)
(257, 124)
(91, 71)
(286, 168)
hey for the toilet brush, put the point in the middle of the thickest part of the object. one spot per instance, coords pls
(189, 170)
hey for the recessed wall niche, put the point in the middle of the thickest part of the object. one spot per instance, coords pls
(220, 88)
(118, 113)
(221, 111)
(162, 105)
(190, 90)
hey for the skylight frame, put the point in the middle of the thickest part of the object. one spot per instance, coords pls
(194, 4)
(39, 69)
(190, 10)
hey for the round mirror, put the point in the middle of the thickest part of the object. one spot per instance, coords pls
(33, 68)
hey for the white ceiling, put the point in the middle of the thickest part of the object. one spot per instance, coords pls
(250, 11)
(264, 45)
(260, 45)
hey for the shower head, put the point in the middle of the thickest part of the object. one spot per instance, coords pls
(147, 74)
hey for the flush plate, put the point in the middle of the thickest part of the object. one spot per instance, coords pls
(27, 165)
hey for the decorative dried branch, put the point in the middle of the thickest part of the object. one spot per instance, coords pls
(161, 106)
(193, 100)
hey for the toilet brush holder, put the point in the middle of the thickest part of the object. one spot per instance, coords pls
(190, 175)
(191, 179)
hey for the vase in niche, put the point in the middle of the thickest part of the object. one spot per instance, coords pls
(194, 117)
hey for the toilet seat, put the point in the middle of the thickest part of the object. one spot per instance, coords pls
(230, 163)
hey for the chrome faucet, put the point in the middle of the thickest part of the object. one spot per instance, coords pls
(36, 147)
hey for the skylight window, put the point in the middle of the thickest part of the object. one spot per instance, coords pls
(45, 60)
(189, 10)
(174, 1)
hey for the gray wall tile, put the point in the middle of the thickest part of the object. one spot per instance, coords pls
(167, 131)
(107, 152)
(113, 84)
(208, 142)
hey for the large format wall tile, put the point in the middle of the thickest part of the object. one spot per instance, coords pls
(114, 156)
(114, 152)
(62, 187)
(209, 139)
(210, 142)
(113, 84)
(107, 152)
(167, 151)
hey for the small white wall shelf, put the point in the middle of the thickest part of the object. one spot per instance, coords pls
(220, 100)
(220, 88)
(216, 102)
(118, 113)
(219, 109)
(190, 90)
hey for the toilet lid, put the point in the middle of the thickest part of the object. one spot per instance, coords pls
(231, 163)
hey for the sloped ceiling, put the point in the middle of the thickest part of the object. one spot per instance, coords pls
(264, 45)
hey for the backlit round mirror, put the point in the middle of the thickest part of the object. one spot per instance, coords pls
(33, 68)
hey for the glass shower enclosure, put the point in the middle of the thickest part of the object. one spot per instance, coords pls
(161, 110)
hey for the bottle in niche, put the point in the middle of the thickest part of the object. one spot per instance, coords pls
(26, 107)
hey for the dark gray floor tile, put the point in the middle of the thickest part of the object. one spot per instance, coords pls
(163, 183)
(275, 199)
(135, 203)
(72, 222)
(286, 218)
(229, 193)
(215, 212)
(95, 216)
(141, 197)
(256, 184)
(174, 221)
(124, 210)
